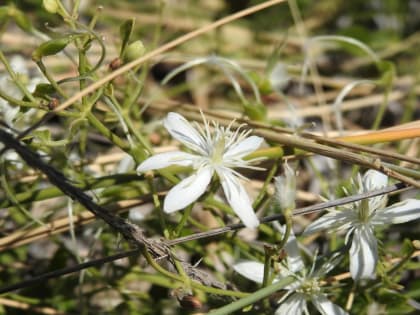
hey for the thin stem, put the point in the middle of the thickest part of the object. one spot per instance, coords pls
(254, 297)
(263, 191)
(185, 215)
(15, 79)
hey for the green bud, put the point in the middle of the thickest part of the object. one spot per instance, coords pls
(255, 111)
(50, 48)
(50, 5)
(134, 50)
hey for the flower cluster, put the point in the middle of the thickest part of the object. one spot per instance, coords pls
(215, 151)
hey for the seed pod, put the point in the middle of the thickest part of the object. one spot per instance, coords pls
(50, 48)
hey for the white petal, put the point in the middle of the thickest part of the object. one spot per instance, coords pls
(244, 147)
(187, 191)
(238, 199)
(295, 304)
(331, 220)
(326, 307)
(373, 180)
(183, 131)
(126, 164)
(401, 212)
(166, 159)
(363, 253)
(251, 270)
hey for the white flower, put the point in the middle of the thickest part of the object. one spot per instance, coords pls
(214, 152)
(361, 218)
(307, 286)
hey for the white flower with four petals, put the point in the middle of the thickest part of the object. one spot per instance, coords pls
(217, 151)
(360, 220)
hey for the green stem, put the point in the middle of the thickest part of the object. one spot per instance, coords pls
(263, 191)
(16, 101)
(267, 265)
(157, 204)
(15, 78)
(289, 223)
(186, 214)
(255, 297)
(90, 184)
(10, 196)
(50, 79)
(107, 133)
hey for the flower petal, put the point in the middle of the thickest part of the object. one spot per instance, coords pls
(363, 253)
(332, 220)
(188, 190)
(251, 270)
(373, 180)
(295, 304)
(238, 198)
(244, 147)
(401, 212)
(166, 159)
(183, 131)
(326, 307)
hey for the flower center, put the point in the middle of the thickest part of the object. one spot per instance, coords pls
(218, 150)
(364, 213)
(310, 287)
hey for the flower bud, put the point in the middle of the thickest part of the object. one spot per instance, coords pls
(50, 5)
(134, 50)
(286, 188)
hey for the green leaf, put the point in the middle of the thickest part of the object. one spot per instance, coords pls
(126, 29)
(43, 89)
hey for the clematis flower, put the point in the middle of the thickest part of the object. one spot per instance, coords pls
(306, 288)
(360, 220)
(216, 152)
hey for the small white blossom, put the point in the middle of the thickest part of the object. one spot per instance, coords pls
(214, 152)
(361, 218)
(307, 286)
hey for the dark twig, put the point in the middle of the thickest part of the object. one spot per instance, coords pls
(130, 231)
